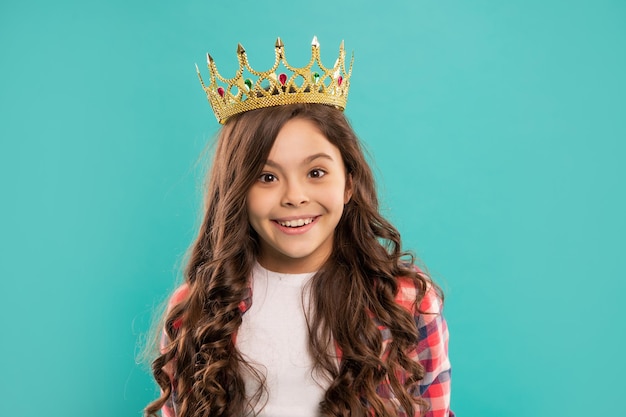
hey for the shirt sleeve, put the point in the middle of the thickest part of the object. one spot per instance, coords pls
(169, 408)
(432, 353)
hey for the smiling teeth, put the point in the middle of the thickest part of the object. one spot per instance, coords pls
(296, 223)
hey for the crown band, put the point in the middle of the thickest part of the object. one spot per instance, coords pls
(312, 83)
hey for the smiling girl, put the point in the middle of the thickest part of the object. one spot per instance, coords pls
(297, 201)
(298, 299)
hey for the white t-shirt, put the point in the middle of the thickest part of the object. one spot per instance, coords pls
(273, 337)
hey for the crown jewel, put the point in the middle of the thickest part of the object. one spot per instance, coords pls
(250, 89)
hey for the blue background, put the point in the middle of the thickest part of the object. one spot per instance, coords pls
(497, 131)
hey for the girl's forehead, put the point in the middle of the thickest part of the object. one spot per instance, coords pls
(301, 138)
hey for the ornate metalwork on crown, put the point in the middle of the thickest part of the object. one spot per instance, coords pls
(281, 84)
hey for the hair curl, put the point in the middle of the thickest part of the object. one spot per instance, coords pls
(358, 280)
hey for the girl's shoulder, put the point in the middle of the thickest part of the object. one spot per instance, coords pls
(178, 295)
(430, 302)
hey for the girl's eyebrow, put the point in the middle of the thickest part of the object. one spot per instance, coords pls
(306, 160)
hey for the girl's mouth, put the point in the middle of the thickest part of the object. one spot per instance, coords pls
(296, 223)
(296, 226)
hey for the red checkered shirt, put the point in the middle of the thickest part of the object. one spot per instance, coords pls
(431, 351)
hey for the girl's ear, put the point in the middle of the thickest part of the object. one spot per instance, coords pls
(347, 194)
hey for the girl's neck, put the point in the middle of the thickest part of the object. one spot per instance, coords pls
(289, 266)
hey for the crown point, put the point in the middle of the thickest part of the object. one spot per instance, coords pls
(209, 58)
(315, 43)
(197, 69)
(240, 49)
(279, 43)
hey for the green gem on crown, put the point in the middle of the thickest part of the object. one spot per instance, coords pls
(248, 83)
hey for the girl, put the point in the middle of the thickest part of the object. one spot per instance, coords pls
(298, 299)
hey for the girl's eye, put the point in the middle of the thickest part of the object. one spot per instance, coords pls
(265, 177)
(317, 173)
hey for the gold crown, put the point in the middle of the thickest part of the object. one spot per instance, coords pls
(312, 83)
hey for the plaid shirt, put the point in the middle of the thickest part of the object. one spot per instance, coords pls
(431, 351)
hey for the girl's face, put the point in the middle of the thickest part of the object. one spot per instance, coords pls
(298, 199)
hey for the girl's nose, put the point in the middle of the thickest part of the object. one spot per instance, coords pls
(295, 195)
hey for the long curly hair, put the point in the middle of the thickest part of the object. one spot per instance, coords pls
(351, 295)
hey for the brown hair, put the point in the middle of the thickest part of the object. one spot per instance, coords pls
(358, 280)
